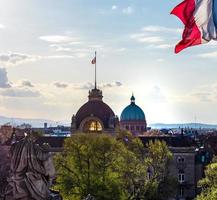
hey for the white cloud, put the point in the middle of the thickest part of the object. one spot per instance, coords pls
(87, 85)
(205, 93)
(121, 49)
(26, 83)
(208, 55)
(16, 58)
(76, 52)
(160, 29)
(19, 92)
(160, 60)
(163, 46)
(145, 38)
(4, 83)
(203, 96)
(158, 36)
(114, 7)
(61, 48)
(2, 26)
(110, 85)
(59, 39)
(24, 88)
(60, 84)
(149, 39)
(128, 11)
(59, 57)
(157, 95)
(9, 59)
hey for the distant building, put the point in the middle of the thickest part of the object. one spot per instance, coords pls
(133, 118)
(57, 131)
(25, 126)
(187, 164)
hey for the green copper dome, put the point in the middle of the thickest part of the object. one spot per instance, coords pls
(132, 112)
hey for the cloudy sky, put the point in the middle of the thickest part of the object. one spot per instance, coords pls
(46, 49)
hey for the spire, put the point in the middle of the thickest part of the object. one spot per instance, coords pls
(132, 99)
(94, 62)
(95, 70)
(95, 94)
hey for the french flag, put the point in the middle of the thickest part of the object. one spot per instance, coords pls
(200, 20)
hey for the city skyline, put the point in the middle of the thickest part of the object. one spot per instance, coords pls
(46, 70)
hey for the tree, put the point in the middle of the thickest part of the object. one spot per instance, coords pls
(110, 167)
(161, 184)
(88, 166)
(209, 183)
(140, 161)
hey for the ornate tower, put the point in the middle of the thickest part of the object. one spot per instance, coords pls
(94, 115)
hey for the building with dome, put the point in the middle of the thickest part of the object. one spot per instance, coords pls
(94, 116)
(133, 118)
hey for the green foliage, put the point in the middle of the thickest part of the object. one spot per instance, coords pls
(158, 157)
(209, 183)
(111, 168)
(87, 166)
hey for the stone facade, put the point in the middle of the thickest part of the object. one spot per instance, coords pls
(183, 166)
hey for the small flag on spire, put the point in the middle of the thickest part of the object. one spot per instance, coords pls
(94, 60)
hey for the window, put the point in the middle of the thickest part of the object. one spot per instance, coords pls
(132, 128)
(181, 192)
(180, 159)
(181, 176)
(92, 126)
(137, 128)
(202, 158)
(127, 127)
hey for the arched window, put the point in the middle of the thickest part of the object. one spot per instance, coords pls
(92, 126)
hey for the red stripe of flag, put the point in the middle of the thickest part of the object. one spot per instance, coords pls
(191, 35)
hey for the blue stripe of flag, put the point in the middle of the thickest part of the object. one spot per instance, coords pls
(214, 11)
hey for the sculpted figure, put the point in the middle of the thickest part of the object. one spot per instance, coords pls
(31, 171)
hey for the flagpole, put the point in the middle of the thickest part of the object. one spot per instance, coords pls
(95, 69)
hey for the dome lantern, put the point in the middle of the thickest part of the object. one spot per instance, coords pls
(132, 99)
